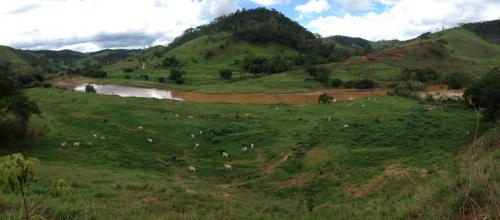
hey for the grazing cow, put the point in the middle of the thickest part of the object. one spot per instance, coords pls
(63, 144)
(225, 154)
(374, 99)
(192, 170)
(140, 128)
(329, 118)
(193, 136)
(228, 167)
(350, 99)
(244, 149)
(201, 132)
(90, 143)
(277, 109)
(95, 136)
(196, 145)
(103, 138)
(362, 106)
(334, 100)
(177, 115)
(150, 140)
(76, 144)
(252, 146)
(346, 126)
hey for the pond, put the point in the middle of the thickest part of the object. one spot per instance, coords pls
(129, 91)
(236, 98)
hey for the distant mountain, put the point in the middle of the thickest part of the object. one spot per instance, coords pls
(257, 26)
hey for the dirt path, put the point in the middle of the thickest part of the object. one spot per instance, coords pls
(271, 167)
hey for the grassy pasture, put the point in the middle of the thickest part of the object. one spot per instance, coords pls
(303, 165)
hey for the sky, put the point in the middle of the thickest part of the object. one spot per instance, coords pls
(91, 25)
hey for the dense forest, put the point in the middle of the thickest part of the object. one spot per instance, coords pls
(257, 25)
(489, 30)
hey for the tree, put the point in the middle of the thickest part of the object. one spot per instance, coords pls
(170, 62)
(320, 74)
(15, 172)
(325, 98)
(161, 80)
(458, 80)
(486, 94)
(337, 83)
(15, 110)
(176, 75)
(225, 73)
(90, 89)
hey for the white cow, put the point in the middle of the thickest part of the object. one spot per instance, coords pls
(177, 115)
(103, 138)
(346, 126)
(193, 136)
(244, 149)
(228, 167)
(329, 118)
(63, 144)
(225, 154)
(196, 145)
(150, 140)
(76, 144)
(190, 117)
(90, 143)
(362, 106)
(95, 136)
(140, 128)
(350, 99)
(192, 170)
(201, 132)
(252, 146)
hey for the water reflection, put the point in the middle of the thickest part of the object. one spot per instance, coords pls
(128, 91)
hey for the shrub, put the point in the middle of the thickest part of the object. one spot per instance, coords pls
(127, 76)
(176, 75)
(209, 54)
(423, 75)
(337, 83)
(128, 70)
(26, 79)
(161, 80)
(365, 84)
(458, 80)
(325, 98)
(486, 94)
(170, 62)
(320, 74)
(225, 73)
(145, 77)
(409, 88)
(90, 89)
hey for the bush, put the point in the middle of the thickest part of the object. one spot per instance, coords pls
(225, 73)
(423, 75)
(337, 83)
(409, 88)
(325, 98)
(90, 89)
(320, 74)
(365, 84)
(170, 62)
(26, 79)
(176, 75)
(127, 76)
(486, 94)
(128, 70)
(161, 80)
(458, 80)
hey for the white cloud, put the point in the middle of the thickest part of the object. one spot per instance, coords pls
(358, 5)
(269, 2)
(89, 25)
(313, 6)
(405, 19)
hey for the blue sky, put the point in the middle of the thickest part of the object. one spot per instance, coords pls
(90, 25)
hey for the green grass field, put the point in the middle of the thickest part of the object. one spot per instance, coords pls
(303, 166)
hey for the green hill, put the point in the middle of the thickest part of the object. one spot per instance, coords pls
(454, 50)
(19, 62)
